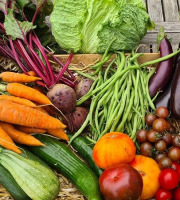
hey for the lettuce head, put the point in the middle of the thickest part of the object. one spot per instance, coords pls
(89, 26)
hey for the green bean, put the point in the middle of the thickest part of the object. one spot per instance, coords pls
(159, 59)
(134, 130)
(107, 69)
(86, 75)
(136, 56)
(127, 112)
(80, 130)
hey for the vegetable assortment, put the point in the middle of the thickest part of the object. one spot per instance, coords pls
(124, 110)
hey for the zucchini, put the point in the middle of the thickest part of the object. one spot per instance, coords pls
(61, 158)
(7, 180)
(84, 149)
(35, 178)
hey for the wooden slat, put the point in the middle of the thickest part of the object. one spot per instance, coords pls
(170, 10)
(169, 27)
(155, 10)
(151, 39)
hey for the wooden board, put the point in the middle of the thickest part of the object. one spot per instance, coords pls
(89, 59)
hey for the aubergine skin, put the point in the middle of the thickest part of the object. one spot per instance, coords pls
(164, 69)
(163, 99)
(175, 94)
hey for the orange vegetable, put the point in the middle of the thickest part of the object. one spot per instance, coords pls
(20, 90)
(40, 108)
(149, 170)
(17, 77)
(20, 137)
(18, 100)
(60, 133)
(112, 149)
(26, 116)
(30, 130)
(31, 73)
(7, 142)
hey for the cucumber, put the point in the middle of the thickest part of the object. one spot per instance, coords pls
(84, 149)
(61, 158)
(35, 178)
(7, 180)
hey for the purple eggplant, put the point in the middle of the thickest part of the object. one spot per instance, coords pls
(161, 77)
(175, 94)
(164, 97)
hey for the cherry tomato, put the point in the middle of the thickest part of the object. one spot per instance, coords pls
(176, 141)
(159, 125)
(159, 156)
(174, 154)
(162, 112)
(175, 166)
(142, 136)
(165, 163)
(146, 149)
(162, 194)
(176, 195)
(149, 118)
(167, 137)
(168, 179)
(153, 136)
(160, 145)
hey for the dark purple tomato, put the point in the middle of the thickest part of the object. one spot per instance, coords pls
(165, 163)
(142, 136)
(153, 136)
(160, 125)
(149, 118)
(159, 156)
(162, 112)
(176, 141)
(146, 149)
(174, 154)
(160, 145)
(167, 137)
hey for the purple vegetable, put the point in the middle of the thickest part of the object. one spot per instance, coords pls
(75, 120)
(164, 69)
(24, 48)
(164, 98)
(175, 94)
(83, 88)
(63, 97)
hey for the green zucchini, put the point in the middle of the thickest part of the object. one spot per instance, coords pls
(61, 158)
(84, 149)
(36, 179)
(7, 180)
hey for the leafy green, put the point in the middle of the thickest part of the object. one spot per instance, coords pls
(16, 29)
(89, 26)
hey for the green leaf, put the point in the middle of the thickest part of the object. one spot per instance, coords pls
(3, 4)
(22, 3)
(15, 28)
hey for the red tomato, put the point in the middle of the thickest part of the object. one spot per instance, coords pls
(175, 166)
(122, 182)
(162, 194)
(176, 195)
(168, 179)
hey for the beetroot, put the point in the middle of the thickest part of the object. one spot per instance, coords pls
(75, 120)
(63, 97)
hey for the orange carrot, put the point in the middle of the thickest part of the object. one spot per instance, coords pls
(60, 133)
(7, 142)
(30, 130)
(20, 137)
(18, 100)
(17, 77)
(20, 90)
(40, 108)
(31, 73)
(26, 116)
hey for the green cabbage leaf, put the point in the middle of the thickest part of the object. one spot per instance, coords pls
(89, 26)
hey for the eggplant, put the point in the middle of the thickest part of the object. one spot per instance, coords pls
(175, 94)
(161, 77)
(164, 98)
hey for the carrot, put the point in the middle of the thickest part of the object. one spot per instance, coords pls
(30, 130)
(26, 116)
(18, 100)
(20, 137)
(40, 108)
(60, 133)
(7, 142)
(31, 73)
(20, 90)
(17, 77)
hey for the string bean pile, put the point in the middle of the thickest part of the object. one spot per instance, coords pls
(119, 96)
